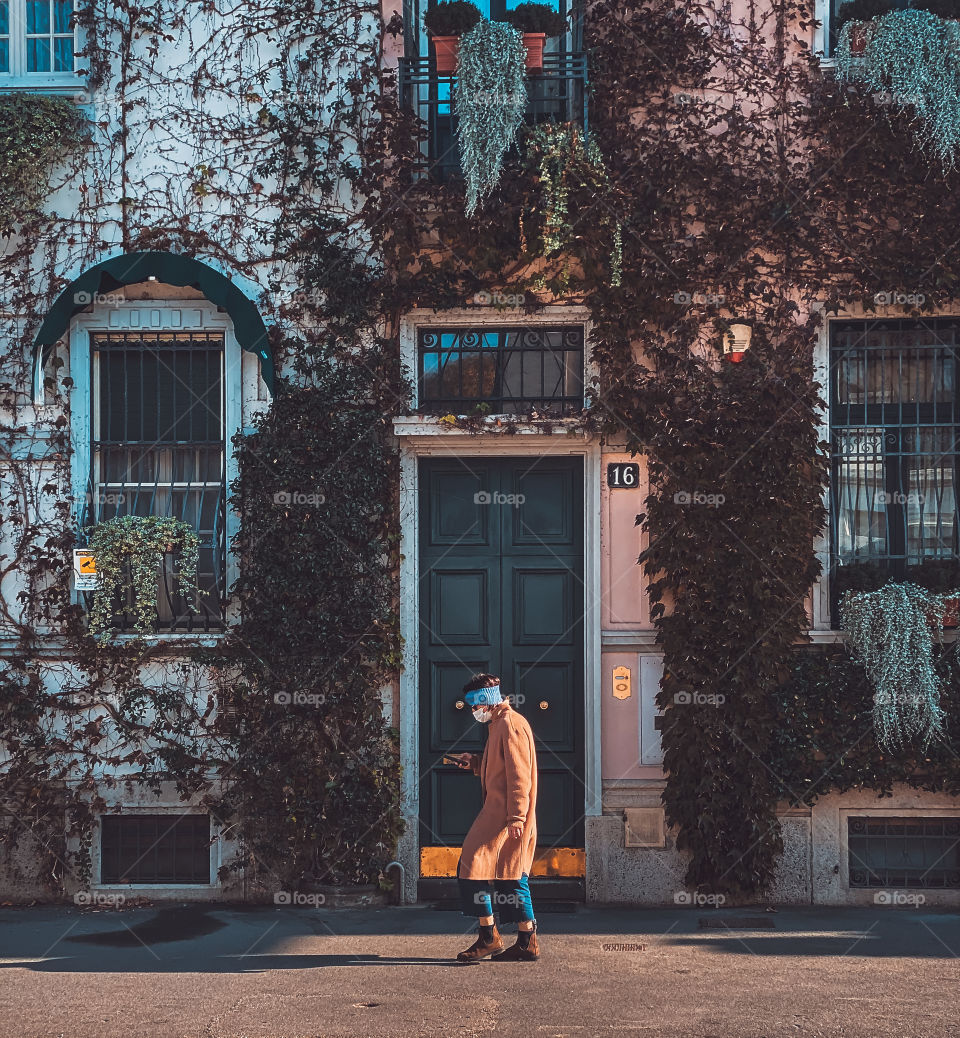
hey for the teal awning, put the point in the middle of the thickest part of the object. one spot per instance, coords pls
(171, 269)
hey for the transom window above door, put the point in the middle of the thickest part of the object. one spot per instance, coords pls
(501, 370)
(37, 42)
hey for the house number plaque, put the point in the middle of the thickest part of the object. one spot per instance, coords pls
(623, 475)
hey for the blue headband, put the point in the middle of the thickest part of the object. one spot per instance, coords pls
(483, 696)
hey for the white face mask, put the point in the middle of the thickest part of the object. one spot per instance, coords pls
(481, 714)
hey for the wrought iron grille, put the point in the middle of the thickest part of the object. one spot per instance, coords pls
(894, 427)
(155, 849)
(158, 448)
(904, 852)
(557, 94)
(501, 370)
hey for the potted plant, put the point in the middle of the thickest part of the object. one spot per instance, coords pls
(446, 23)
(536, 22)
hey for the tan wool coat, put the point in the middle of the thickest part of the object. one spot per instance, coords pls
(508, 777)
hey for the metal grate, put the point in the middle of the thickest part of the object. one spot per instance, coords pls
(894, 422)
(155, 849)
(557, 94)
(501, 370)
(904, 852)
(159, 449)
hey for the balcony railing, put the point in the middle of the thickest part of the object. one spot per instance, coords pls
(557, 94)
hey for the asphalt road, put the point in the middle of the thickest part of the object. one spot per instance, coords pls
(234, 972)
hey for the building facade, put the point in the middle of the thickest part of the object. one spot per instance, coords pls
(147, 315)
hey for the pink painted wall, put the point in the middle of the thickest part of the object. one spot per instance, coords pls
(625, 605)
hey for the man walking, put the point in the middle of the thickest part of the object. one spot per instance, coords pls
(497, 854)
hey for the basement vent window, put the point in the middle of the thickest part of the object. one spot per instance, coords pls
(155, 849)
(904, 852)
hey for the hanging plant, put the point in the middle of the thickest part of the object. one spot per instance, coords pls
(890, 631)
(491, 96)
(913, 57)
(565, 161)
(128, 551)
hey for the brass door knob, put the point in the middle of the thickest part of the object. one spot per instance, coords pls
(459, 704)
(544, 704)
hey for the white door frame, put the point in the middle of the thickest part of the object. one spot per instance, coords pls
(422, 438)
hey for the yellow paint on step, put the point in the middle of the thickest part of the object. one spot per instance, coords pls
(559, 862)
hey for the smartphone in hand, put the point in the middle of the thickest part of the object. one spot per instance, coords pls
(460, 760)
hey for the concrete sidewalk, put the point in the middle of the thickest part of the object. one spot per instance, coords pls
(209, 971)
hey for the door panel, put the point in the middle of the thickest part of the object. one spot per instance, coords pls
(553, 684)
(463, 604)
(453, 514)
(501, 590)
(542, 604)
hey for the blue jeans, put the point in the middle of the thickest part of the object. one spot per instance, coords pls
(511, 897)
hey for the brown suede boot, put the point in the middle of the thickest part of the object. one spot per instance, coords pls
(480, 948)
(517, 953)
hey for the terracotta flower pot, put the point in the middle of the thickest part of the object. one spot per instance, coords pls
(951, 614)
(534, 42)
(446, 50)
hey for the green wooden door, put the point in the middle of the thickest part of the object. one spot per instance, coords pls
(501, 590)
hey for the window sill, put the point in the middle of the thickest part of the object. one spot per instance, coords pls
(506, 424)
(69, 86)
(174, 641)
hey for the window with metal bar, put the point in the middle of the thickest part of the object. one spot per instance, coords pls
(557, 93)
(904, 852)
(159, 848)
(158, 448)
(894, 430)
(501, 370)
